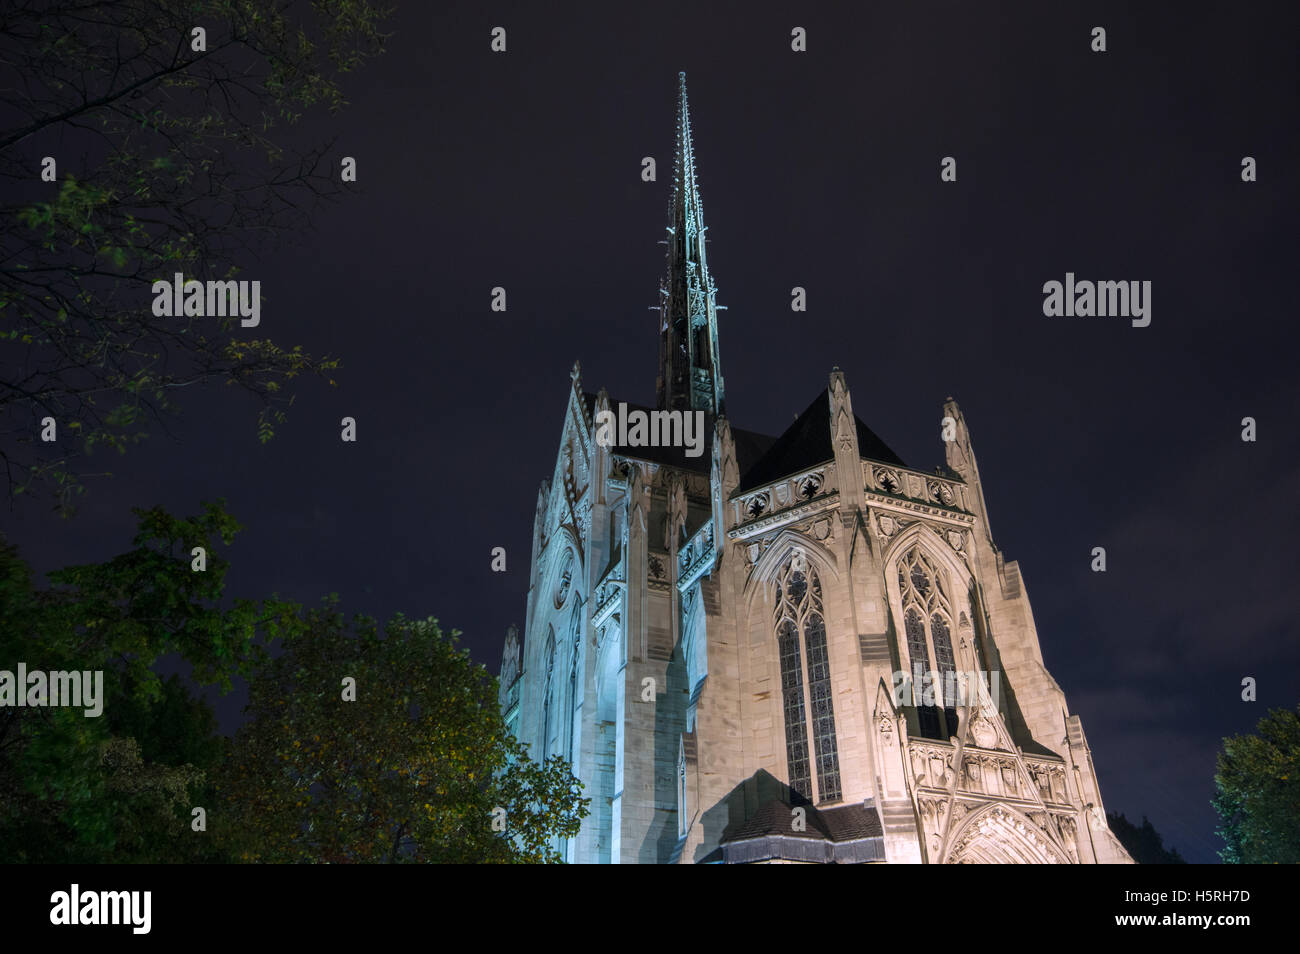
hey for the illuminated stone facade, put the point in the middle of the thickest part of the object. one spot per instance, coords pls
(712, 642)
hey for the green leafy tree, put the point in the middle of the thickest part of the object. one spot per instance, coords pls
(120, 787)
(1258, 792)
(415, 769)
(169, 159)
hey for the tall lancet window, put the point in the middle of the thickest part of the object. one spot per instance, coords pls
(575, 645)
(548, 694)
(801, 644)
(927, 622)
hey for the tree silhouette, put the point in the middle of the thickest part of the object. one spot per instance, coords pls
(170, 156)
(1143, 842)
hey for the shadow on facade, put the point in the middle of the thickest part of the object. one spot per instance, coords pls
(737, 807)
(670, 722)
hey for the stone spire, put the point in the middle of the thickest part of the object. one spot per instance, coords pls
(690, 375)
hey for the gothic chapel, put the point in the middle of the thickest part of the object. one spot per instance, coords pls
(713, 641)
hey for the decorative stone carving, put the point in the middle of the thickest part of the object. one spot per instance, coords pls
(564, 581)
(887, 480)
(609, 593)
(918, 766)
(934, 812)
(810, 486)
(1069, 835)
(937, 765)
(676, 517)
(982, 731)
(1044, 783)
(696, 554)
(940, 493)
(1058, 784)
(843, 426)
(584, 518)
(886, 726)
(1009, 778)
(783, 517)
(1001, 825)
(956, 539)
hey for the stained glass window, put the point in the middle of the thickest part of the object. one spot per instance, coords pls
(796, 726)
(920, 580)
(799, 614)
(943, 656)
(927, 623)
(823, 713)
(920, 657)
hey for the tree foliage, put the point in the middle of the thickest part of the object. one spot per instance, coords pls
(169, 159)
(120, 787)
(1143, 842)
(414, 770)
(1258, 792)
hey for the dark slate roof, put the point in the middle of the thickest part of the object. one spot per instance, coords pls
(850, 822)
(836, 824)
(750, 445)
(807, 442)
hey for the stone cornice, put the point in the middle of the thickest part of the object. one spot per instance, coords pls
(904, 505)
(797, 512)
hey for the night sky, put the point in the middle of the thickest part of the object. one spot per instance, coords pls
(817, 169)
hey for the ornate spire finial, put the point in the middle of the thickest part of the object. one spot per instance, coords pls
(690, 375)
(686, 212)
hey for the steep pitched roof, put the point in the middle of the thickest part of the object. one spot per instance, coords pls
(807, 442)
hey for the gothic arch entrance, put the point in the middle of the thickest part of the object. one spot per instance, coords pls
(999, 835)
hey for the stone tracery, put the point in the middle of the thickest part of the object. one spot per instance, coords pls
(799, 612)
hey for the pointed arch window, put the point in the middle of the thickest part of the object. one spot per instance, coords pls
(575, 645)
(811, 750)
(548, 693)
(927, 624)
(568, 846)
